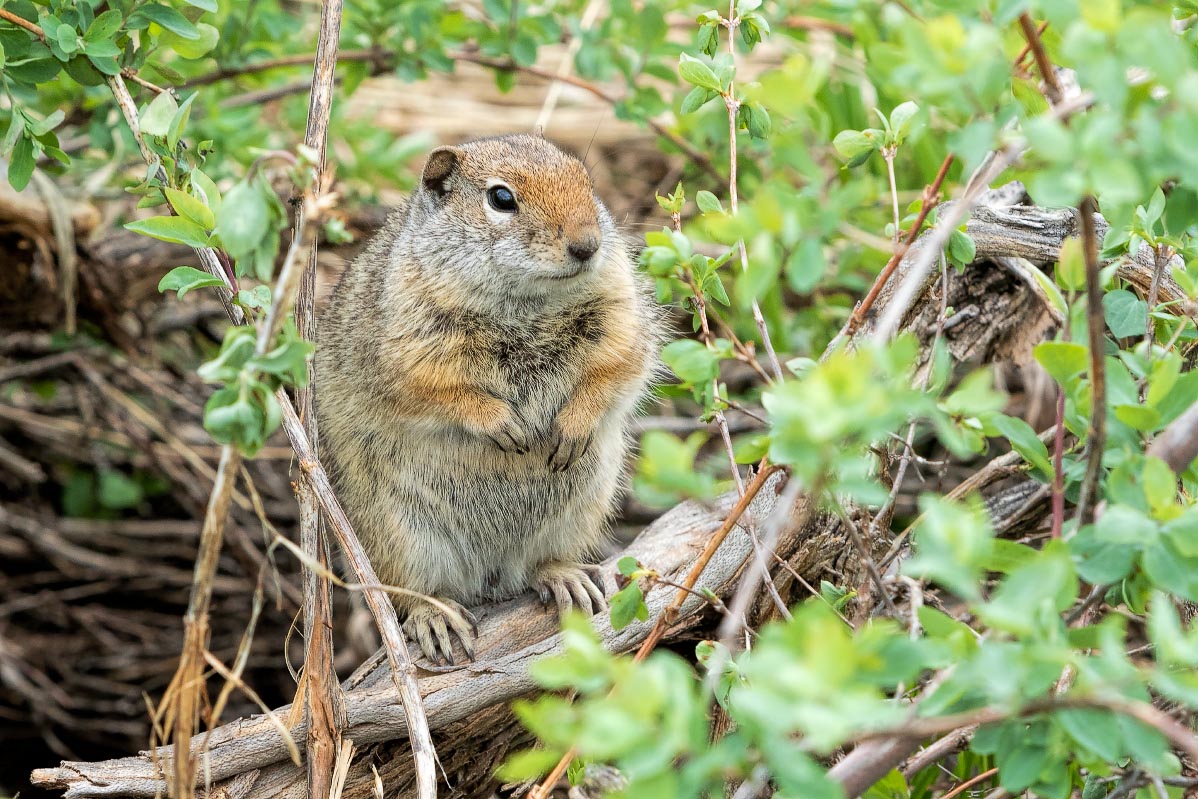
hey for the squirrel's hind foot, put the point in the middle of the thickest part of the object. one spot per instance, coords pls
(431, 627)
(569, 585)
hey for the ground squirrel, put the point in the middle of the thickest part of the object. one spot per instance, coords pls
(477, 369)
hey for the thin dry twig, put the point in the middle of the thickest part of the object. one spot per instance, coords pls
(181, 704)
(708, 340)
(131, 74)
(321, 690)
(1095, 325)
(732, 105)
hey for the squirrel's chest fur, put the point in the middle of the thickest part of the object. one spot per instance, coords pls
(534, 361)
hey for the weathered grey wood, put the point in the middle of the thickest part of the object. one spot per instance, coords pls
(999, 315)
(511, 635)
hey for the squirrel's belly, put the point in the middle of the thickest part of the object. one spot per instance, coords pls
(490, 517)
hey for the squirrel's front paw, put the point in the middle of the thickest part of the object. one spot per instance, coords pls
(510, 437)
(564, 452)
(430, 627)
(569, 585)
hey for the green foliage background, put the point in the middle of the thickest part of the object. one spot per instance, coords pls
(866, 86)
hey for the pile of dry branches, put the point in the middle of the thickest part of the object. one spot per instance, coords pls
(105, 470)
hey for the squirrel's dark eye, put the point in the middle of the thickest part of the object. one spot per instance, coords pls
(502, 199)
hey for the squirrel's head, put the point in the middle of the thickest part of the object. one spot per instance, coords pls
(516, 208)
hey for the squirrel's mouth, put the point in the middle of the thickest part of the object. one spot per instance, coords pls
(579, 270)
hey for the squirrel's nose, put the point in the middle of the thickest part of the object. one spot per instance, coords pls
(584, 248)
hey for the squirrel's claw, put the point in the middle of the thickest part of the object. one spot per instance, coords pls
(570, 586)
(431, 628)
(511, 438)
(565, 452)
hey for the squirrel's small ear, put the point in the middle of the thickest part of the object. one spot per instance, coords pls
(440, 165)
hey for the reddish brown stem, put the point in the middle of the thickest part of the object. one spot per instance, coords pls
(1052, 87)
(969, 783)
(931, 196)
(1027, 48)
(1058, 470)
(21, 22)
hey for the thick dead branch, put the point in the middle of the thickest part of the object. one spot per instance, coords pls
(1000, 315)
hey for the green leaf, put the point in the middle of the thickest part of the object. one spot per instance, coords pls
(168, 18)
(1126, 314)
(67, 38)
(528, 764)
(288, 361)
(1101, 561)
(117, 492)
(696, 98)
(16, 128)
(104, 26)
(243, 219)
(952, 545)
(1138, 417)
(192, 47)
(708, 203)
(524, 50)
(854, 146)
(1171, 570)
(698, 73)
(691, 361)
(20, 163)
(1096, 730)
(1062, 359)
(203, 185)
(231, 419)
(207, 5)
(191, 208)
(235, 352)
(628, 604)
(179, 122)
(892, 786)
(1045, 585)
(186, 278)
(101, 49)
(757, 120)
(40, 128)
(156, 119)
(961, 248)
(1122, 524)
(901, 119)
(1070, 272)
(105, 66)
(171, 228)
(974, 396)
(1023, 439)
(1007, 556)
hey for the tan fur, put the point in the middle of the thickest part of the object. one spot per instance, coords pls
(475, 380)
